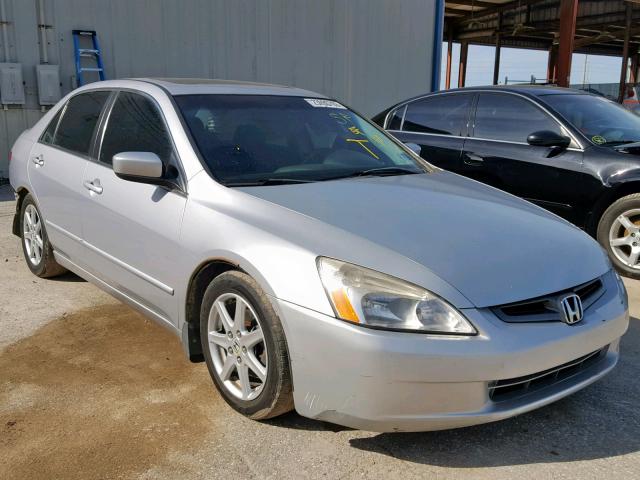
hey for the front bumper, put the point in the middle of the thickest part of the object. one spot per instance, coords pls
(388, 381)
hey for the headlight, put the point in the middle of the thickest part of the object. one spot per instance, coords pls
(370, 298)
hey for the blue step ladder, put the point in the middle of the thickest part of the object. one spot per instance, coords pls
(93, 53)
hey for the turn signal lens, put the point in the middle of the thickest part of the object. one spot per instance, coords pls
(343, 306)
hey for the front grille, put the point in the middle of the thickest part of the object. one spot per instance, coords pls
(545, 308)
(501, 390)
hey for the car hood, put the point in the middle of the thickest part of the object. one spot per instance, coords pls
(491, 246)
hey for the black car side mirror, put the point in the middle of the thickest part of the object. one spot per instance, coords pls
(547, 138)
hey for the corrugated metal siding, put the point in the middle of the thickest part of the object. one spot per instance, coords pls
(367, 53)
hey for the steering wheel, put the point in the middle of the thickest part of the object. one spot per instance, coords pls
(233, 158)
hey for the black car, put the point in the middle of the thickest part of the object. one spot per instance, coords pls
(571, 152)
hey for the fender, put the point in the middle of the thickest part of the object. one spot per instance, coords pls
(618, 183)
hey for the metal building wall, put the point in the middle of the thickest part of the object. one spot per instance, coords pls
(367, 53)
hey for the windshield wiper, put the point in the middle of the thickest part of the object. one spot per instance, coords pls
(377, 172)
(623, 144)
(269, 181)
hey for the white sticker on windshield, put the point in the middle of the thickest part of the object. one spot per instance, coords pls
(321, 103)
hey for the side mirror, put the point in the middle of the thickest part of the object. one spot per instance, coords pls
(137, 166)
(414, 147)
(547, 138)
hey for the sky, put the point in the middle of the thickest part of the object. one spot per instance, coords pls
(517, 65)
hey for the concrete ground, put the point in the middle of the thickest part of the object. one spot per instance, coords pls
(91, 389)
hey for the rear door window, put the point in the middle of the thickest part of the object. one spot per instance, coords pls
(439, 114)
(77, 123)
(510, 118)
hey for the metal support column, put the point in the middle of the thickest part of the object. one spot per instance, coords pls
(496, 60)
(625, 54)
(447, 80)
(568, 14)
(633, 73)
(552, 65)
(462, 71)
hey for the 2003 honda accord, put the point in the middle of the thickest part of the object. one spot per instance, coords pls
(312, 260)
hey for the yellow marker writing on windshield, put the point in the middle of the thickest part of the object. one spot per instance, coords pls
(377, 138)
(362, 142)
(355, 130)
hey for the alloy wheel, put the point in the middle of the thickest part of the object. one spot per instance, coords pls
(32, 235)
(624, 238)
(237, 346)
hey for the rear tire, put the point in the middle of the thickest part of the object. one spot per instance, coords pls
(619, 233)
(245, 350)
(36, 247)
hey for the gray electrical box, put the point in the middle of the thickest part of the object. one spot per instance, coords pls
(11, 87)
(48, 84)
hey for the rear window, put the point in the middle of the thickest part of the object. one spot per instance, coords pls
(73, 128)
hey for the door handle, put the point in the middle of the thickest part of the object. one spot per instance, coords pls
(38, 160)
(473, 159)
(94, 186)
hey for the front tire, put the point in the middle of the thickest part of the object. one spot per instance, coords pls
(36, 247)
(619, 233)
(245, 348)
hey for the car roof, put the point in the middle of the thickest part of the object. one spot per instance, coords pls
(190, 86)
(535, 90)
(530, 90)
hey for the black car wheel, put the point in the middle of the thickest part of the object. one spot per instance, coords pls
(245, 348)
(619, 233)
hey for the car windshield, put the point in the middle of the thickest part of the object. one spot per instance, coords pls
(602, 121)
(261, 139)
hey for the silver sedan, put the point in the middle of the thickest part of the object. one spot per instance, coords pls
(312, 260)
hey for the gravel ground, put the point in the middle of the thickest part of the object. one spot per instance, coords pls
(91, 389)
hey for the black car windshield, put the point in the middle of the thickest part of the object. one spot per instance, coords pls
(602, 121)
(261, 139)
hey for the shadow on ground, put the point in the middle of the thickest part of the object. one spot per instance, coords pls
(67, 277)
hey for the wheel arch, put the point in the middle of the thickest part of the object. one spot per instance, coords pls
(22, 192)
(200, 279)
(614, 194)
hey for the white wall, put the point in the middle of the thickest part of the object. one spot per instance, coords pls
(367, 53)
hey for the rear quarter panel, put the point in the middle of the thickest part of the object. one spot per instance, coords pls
(21, 149)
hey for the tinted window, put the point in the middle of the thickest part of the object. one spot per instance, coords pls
(443, 114)
(395, 121)
(135, 125)
(250, 139)
(602, 121)
(510, 118)
(79, 120)
(49, 133)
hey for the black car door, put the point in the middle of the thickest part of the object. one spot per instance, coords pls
(437, 124)
(497, 153)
